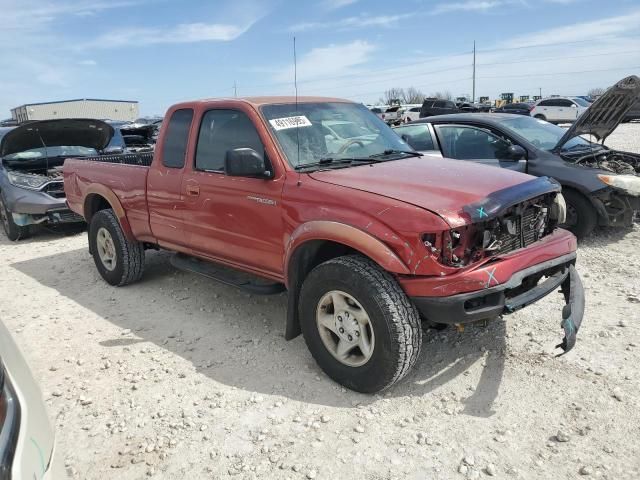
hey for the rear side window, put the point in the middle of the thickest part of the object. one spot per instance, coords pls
(417, 136)
(221, 131)
(175, 141)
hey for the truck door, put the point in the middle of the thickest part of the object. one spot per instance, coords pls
(466, 142)
(236, 219)
(164, 181)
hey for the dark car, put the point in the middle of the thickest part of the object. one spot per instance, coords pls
(515, 108)
(601, 186)
(434, 106)
(31, 159)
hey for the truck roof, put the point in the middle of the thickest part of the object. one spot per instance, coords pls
(266, 100)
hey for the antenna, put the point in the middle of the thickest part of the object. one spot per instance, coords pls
(235, 89)
(473, 99)
(295, 85)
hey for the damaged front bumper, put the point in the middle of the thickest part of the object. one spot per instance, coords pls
(615, 208)
(522, 289)
(35, 207)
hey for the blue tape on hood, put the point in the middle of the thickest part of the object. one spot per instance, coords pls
(495, 203)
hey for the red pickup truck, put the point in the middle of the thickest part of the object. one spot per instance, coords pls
(319, 197)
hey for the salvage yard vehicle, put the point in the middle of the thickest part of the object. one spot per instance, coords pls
(27, 439)
(368, 240)
(559, 109)
(31, 159)
(434, 106)
(601, 186)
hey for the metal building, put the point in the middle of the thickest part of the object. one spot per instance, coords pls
(126, 110)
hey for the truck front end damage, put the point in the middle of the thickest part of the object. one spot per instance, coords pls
(511, 255)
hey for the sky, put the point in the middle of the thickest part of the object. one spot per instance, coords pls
(160, 52)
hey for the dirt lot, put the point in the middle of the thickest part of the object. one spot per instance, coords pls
(181, 377)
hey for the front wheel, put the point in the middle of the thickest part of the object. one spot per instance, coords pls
(118, 260)
(358, 324)
(13, 231)
(581, 214)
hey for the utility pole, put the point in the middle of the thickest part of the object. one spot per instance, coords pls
(473, 98)
(540, 92)
(235, 89)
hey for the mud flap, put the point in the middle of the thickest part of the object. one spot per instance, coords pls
(573, 311)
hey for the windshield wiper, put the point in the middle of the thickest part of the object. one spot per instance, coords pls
(391, 151)
(331, 161)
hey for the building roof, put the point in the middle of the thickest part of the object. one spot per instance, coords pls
(76, 100)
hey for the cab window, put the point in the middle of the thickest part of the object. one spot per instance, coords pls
(221, 131)
(175, 141)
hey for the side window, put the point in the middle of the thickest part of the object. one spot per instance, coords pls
(439, 104)
(546, 103)
(450, 105)
(417, 136)
(565, 103)
(470, 143)
(175, 141)
(221, 131)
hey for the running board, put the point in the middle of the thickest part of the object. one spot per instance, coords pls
(226, 275)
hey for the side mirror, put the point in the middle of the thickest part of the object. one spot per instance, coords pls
(573, 105)
(407, 140)
(245, 162)
(516, 152)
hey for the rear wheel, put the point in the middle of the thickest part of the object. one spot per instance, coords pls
(358, 324)
(119, 260)
(541, 117)
(581, 215)
(13, 231)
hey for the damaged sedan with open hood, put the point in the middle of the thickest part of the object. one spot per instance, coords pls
(601, 185)
(31, 160)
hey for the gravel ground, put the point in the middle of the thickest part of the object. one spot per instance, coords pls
(180, 377)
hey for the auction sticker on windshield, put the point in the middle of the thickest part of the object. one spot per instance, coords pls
(290, 122)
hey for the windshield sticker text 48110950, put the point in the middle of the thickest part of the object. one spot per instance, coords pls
(290, 122)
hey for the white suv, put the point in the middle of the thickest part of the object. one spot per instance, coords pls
(411, 113)
(559, 109)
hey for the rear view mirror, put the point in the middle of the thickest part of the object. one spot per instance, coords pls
(516, 152)
(245, 162)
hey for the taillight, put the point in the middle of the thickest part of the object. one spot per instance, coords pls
(531, 108)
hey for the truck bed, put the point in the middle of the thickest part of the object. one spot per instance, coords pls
(125, 175)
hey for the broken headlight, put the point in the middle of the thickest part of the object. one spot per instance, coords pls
(627, 183)
(24, 180)
(558, 211)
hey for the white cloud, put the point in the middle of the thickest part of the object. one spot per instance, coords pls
(335, 4)
(581, 31)
(330, 60)
(359, 21)
(183, 33)
(467, 6)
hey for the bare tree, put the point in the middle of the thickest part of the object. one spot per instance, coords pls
(444, 95)
(393, 95)
(413, 95)
(596, 92)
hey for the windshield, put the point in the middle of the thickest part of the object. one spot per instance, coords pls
(70, 151)
(543, 134)
(307, 132)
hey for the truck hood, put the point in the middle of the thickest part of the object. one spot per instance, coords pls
(605, 114)
(57, 133)
(442, 186)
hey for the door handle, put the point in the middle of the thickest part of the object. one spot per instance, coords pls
(193, 190)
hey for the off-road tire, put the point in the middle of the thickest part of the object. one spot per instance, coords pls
(130, 255)
(394, 319)
(13, 231)
(587, 217)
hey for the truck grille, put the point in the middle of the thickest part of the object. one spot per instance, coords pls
(526, 228)
(54, 189)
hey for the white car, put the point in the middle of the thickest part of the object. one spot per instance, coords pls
(380, 111)
(27, 440)
(559, 109)
(411, 113)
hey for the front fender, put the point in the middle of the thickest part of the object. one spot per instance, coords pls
(348, 235)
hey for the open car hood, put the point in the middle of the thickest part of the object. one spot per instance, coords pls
(57, 133)
(605, 114)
